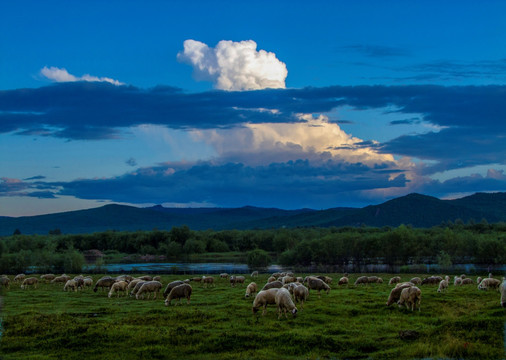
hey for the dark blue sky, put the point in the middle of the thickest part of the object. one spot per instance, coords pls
(282, 104)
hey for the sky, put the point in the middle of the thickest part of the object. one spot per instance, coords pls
(287, 104)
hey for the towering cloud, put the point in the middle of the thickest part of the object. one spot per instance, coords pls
(234, 65)
(62, 75)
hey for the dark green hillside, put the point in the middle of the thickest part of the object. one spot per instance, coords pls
(493, 204)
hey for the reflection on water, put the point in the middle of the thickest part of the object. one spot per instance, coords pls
(181, 268)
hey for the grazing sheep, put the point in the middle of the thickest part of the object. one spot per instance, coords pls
(467, 281)
(179, 292)
(79, 282)
(137, 287)
(300, 279)
(271, 279)
(251, 289)
(146, 278)
(157, 278)
(343, 281)
(104, 283)
(61, 279)
(254, 274)
(502, 290)
(47, 277)
(4, 281)
(300, 294)
(463, 276)
(326, 279)
(395, 294)
(88, 281)
(224, 276)
(285, 303)
(150, 287)
(237, 280)
(489, 283)
(70, 285)
(416, 280)
(290, 287)
(264, 298)
(394, 280)
(317, 284)
(288, 279)
(132, 283)
(117, 287)
(443, 285)
(19, 278)
(276, 275)
(457, 281)
(171, 286)
(196, 279)
(410, 297)
(273, 285)
(31, 281)
(478, 280)
(362, 280)
(432, 280)
(374, 279)
(207, 280)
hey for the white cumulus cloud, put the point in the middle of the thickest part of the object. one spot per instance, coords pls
(234, 65)
(62, 75)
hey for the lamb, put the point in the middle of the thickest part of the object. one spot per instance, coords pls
(317, 284)
(443, 285)
(273, 285)
(264, 298)
(171, 286)
(60, 279)
(489, 283)
(105, 282)
(502, 290)
(394, 280)
(19, 278)
(411, 298)
(362, 280)
(117, 287)
(343, 281)
(47, 277)
(251, 289)
(179, 292)
(416, 280)
(285, 303)
(395, 294)
(300, 294)
(237, 280)
(70, 285)
(207, 280)
(149, 287)
(31, 281)
(254, 274)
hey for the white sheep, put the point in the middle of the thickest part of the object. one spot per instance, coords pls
(317, 284)
(31, 281)
(150, 287)
(411, 298)
(4, 281)
(285, 303)
(19, 278)
(237, 280)
(362, 280)
(179, 292)
(60, 279)
(70, 285)
(171, 286)
(489, 283)
(104, 283)
(137, 287)
(224, 276)
(394, 280)
(88, 281)
(117, 287)
(467, 281)
(343, 281)
(443, 285)
(251, 289)
(264, 298)
(502, 290)
(288, 279)
(416, 280)
(47, 277)
(254, 274)
(273, 285)
(207, 280)
(457, 281)
(395, 294)
(146, 278)
(271, 279)
(300, 294)
(478, 280)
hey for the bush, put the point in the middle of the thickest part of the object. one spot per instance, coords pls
(258, 258)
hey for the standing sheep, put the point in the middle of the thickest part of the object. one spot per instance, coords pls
(4, 281)
(411, 298)
(19, 278)
(47, 277)
(60, 279)
(362, 280)
(207, 280)
(285, 303)
(137, 287)
(317, 284)
(150, 287)
(443, 285)
(224, 276)
(300, 294)
(237, 280)
(70, 285)
(251, 289)
(394, 280)
(343, 281)
(179, 292)
(416, 280)
(489, 283)
(264, 298)
(395, 294)
(104, 283)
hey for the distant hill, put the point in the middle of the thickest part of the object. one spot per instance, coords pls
(414, 209)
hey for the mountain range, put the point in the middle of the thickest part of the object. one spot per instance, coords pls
(414, 209)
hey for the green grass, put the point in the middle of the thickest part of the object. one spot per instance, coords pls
(349, 323)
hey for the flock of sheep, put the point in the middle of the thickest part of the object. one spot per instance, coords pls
(284, 290)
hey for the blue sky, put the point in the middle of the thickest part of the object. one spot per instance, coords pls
(283, 104)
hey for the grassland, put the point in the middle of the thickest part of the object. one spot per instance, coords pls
(349, 323)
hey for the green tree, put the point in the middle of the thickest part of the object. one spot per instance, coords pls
(258, 258)
(193, 246)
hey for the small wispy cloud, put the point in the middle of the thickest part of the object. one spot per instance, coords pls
(62, 75)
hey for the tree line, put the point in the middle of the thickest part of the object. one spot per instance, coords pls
(446, 244)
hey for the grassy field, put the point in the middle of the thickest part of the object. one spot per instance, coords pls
(349, 323)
